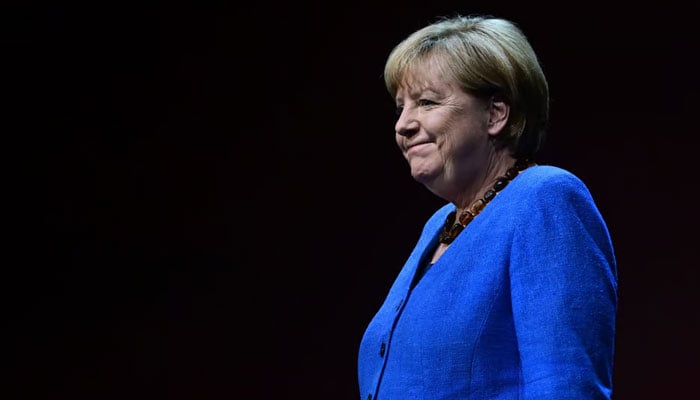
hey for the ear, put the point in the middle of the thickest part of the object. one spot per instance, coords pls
(498, 115)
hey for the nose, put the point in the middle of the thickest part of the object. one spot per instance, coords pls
(406, 125)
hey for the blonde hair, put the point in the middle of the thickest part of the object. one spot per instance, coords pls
(488, 56)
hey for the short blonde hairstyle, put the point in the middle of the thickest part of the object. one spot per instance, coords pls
(488, 56)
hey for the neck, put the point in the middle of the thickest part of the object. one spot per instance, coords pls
(496, 168)
(457, 220)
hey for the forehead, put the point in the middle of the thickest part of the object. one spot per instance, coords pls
(421, 78)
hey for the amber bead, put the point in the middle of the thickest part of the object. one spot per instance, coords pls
(500, 184)
(456, 229)
(451, 228)
(466, 217)
(451, 218)
(511, 173)
(477, 206)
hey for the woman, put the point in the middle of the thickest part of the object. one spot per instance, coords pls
(511, 289)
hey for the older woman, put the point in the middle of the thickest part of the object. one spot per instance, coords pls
(511, 289)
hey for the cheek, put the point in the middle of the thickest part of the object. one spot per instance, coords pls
(450, 133)
(460, 139)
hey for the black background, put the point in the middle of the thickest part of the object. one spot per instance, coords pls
(205, 201)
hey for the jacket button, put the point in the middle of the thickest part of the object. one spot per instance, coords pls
(369, 396)
(382, 349)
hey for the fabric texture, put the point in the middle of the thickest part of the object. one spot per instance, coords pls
(522, 305)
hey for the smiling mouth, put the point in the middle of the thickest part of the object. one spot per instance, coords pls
(415, 147)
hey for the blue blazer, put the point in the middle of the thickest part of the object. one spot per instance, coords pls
(522, 304)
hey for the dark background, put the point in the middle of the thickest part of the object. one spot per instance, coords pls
(204, 200)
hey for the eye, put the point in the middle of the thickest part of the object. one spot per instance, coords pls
(399, 110)
(426, 102)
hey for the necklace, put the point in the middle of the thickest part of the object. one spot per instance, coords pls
(452, 228)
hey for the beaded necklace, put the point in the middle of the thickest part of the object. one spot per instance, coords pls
(452, 228)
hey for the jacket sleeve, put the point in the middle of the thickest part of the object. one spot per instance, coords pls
(564, 294)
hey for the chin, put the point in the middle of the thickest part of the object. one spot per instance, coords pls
(426, 177)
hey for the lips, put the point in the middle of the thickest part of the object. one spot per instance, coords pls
(415, 147)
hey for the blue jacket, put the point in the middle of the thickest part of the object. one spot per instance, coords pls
(522, 305)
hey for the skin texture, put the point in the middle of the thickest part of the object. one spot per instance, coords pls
(446, 135)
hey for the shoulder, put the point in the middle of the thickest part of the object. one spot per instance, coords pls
(548, 175)
(550, 191)
(555, 197)
(550, 181)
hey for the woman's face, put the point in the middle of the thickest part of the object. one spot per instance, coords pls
(442, 131)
